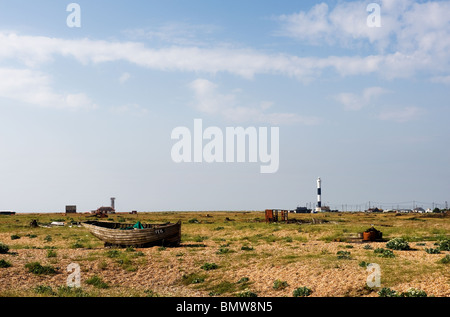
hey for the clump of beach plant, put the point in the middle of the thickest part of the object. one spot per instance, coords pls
(77, 245)
(209, 266)
(412, 292)
(3, 248)
(38, 269)
(444, 245)
(113, 253)
(193, 278)
(387, 292)
(67, 291)
(150, 293)
(4, 264)
(97, 281)
(445, 260)
(51, 253)
(243, 280)
(246, 293)
(363, 264)
(224, 250)
(432, 251)
(279, 285)
(44, 290)
(398, 244)
(384, 253)
(302, 292)
(343, 255)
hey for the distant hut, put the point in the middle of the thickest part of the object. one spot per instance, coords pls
(106, 210)
(70, 209)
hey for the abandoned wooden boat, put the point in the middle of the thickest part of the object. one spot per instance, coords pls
(135, 235)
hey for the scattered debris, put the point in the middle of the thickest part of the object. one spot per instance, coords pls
(372, 234)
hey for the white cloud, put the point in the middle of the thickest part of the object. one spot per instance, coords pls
(35, 50)
(124, 77)
(412, 37)
(34, 87)
(178, 33)
(401, 115)
(131, 108)
(441, 79)
(210, 101)
(353, 101)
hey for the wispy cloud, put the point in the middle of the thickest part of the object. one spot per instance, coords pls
(355, 102)
(209, 100)
(124, 77)
(406, 25)
(35, 88)
(176, 33)
(35, 50)
(131, 108)
(413, 36)
(402, 115)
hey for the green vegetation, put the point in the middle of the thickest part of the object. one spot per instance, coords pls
(412, 292)
(278, 284)
(51, 253)
(38, 269)
(384, 253)
(4, 264)
(209, 266)
(3, 248)
(445, 260)
(193, 278)
(239, 242)
(343, 255)
(432, 250)
(302, 292)
(398, 244)
(444, 245)
(97, 281)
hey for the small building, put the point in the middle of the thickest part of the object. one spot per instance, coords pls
(302, 210)
(275, 215)
(374, 210)
(71, 209)
(106, 210)
(7, 213)
(419, 210)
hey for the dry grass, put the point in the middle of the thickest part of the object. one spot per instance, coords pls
(249, 254)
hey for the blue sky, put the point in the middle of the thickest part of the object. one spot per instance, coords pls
(87, 113)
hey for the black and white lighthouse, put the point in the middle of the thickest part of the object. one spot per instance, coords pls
(319, 194)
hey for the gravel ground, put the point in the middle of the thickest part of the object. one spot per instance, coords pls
(312, 264)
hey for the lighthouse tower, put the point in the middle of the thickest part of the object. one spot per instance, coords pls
(319, 194)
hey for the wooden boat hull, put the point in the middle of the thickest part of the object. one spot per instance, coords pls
(115, 234)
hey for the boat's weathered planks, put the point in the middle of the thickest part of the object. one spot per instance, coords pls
(111, 233)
